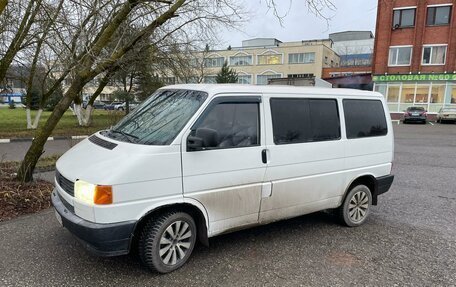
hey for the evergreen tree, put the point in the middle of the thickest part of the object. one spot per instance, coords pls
(226, 75)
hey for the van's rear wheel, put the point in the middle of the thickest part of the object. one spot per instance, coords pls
(166, 242)
(356, 207)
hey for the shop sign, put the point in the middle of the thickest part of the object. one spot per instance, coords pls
(414, 77)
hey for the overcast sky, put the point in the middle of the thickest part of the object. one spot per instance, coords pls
(299, 24)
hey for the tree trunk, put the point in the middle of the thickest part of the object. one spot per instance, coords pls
(87, 118)
(25, 172)
(37, 119)
(29, 118)
(78, 112)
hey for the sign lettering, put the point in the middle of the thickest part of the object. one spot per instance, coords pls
(414, 77)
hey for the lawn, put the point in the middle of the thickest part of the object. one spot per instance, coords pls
(13, 123)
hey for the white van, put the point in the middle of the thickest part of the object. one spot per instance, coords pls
(195, 161)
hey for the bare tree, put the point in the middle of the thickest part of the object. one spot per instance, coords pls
(156, 20)
(49, 20)
(88, 41)
(21, 34)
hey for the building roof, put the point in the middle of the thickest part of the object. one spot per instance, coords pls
(351, 35)
(214, 89)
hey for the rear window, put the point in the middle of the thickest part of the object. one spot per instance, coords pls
(364, 118)
(416, 109)
(304, 120)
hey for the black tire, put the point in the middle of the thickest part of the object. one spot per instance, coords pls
(120, 109)
(154, 231)
(404, 121)
(345, 209)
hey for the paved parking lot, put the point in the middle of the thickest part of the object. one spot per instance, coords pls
(410, 239)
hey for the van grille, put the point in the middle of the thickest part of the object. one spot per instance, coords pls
(66, 184)
(101, 142)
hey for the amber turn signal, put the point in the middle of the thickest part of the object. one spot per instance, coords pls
(103, 194)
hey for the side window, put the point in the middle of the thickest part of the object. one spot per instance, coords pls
(324, 119)
(230, 125)
(304, 120)
(364, 118)
(290, 120)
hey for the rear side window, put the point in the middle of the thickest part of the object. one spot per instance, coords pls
(304, 120)
(324, 120)
(364, 118)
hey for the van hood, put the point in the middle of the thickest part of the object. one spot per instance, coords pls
(125, 163)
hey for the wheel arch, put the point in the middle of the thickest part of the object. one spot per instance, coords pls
(196, 212)
(368, 180)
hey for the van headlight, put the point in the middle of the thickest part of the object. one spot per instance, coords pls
(91, 193)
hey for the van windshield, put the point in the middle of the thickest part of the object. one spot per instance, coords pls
(159, 119)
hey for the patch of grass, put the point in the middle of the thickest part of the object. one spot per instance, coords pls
(13, 123)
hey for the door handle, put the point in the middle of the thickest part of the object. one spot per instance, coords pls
(264, 156)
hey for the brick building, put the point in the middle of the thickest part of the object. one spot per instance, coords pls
(415, 54)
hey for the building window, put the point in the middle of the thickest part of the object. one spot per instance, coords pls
(209, 79)
(301, 58)
(393, 94)
(452, 94)
(213, 62)
(400, 56)
(241, 60)
(434, 55)
(245, 79)
(404, 18)
(264, 79)
(439, 15)
(407, 93)
(306, 76)
(275, 59)
(437, 94)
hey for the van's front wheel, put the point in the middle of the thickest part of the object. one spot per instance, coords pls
(356, 207)
(166, 242)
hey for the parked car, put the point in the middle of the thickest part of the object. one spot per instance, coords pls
(96, 105)
(123, 106)
(446, 115)
(415, 114)
(112, 106)
(197, 161)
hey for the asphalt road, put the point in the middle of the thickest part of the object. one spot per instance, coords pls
(16, 150)
(409, 240)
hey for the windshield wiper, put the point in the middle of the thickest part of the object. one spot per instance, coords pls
(126, 135)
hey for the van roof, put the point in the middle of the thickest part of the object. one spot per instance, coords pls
(213, 89)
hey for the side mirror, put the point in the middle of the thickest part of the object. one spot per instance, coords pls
(203, 139)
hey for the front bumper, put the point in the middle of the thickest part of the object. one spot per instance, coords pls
(101, 239)
(448, 118)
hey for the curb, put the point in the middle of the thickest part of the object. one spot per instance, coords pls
(49, 139)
